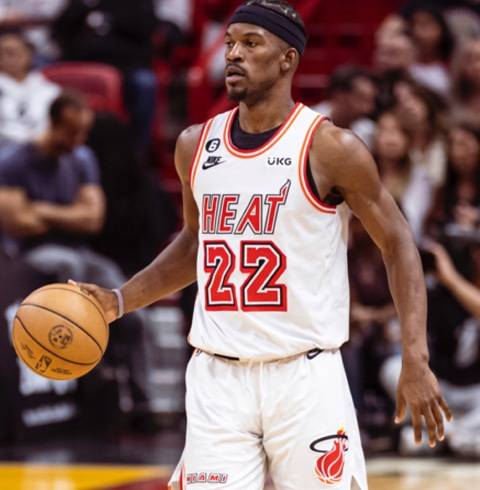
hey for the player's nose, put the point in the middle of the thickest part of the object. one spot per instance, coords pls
(235, 53)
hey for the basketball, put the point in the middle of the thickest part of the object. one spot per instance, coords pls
(60, 332)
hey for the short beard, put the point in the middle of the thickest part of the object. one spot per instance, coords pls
(251, 95)
(237, 95)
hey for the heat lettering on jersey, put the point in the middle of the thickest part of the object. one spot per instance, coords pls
(221, 213)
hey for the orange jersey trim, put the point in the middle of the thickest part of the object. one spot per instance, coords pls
(268, 144)
(302, 170)
(198, 151)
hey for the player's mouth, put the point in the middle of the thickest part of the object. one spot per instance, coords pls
(234, 73)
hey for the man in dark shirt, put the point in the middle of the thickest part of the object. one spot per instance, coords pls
(49, 188)
(50, 199)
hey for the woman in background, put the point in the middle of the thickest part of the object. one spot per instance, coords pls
(434, 45)
(420, 110)
(457, 202)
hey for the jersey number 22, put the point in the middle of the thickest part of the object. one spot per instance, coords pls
(261, 262)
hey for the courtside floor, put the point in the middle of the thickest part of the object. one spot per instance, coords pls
(384, 474)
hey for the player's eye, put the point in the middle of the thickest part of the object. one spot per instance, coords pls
(251, 44)
(229, 44)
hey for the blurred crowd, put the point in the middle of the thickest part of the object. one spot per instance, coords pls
(415, 108)
(80, 194)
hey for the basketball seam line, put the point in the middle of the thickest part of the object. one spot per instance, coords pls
(51, 352)
(68, 319)
(82, 294)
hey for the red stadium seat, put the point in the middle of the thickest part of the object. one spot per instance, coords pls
(100, 83)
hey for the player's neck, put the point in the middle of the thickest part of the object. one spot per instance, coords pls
(265, 114)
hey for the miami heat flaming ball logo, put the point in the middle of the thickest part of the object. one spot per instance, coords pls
(329, 467)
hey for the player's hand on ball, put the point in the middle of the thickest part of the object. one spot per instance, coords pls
(418, 390)
(106, 297)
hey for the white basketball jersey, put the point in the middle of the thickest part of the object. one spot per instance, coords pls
(272, 258)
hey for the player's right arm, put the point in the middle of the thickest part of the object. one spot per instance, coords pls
(175, 266)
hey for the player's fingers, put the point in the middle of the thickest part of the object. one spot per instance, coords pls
(85, 287)
(431, 426)
(81, 285)
(438, 420)
(446, 409)
(417, 425)
(401, 409)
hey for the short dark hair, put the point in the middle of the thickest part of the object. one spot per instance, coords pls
(343, 78)
(281, 7)
(67, 99)
(18, 33)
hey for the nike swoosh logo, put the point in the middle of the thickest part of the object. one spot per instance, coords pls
(207, 165)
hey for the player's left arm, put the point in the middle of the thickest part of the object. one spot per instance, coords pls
(339, 159)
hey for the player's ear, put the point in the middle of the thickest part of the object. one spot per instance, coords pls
(289, 60)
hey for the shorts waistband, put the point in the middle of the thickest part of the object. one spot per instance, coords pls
(311, 354)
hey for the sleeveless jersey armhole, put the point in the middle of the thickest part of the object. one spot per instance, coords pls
(198, 151)
(311, 196)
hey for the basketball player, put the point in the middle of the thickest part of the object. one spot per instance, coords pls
(266, 192)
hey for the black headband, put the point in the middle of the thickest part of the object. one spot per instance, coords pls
(272, 21)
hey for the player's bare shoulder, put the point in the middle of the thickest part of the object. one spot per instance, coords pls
(185, 149)
(340, 156)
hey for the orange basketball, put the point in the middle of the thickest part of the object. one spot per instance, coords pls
(60, 332)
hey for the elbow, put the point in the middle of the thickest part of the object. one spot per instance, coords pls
(16, 228)
(94, 222)
(94, 225)
(98, 218)
(93, 228)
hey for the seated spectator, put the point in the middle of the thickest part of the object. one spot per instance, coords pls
(462, 16)
(433, 47)
(457, 202)
(392, 57)
(50, 199)
(175, 19)
(394, 50)
(454, 340)
(420, 110)
(25, 95)
(35, 17)
(50, 187)
(393, 25)
(391, 149)
(352, 95)
(466, 84)
(119, 33)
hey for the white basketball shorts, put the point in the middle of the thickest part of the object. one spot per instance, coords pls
(293, 419)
